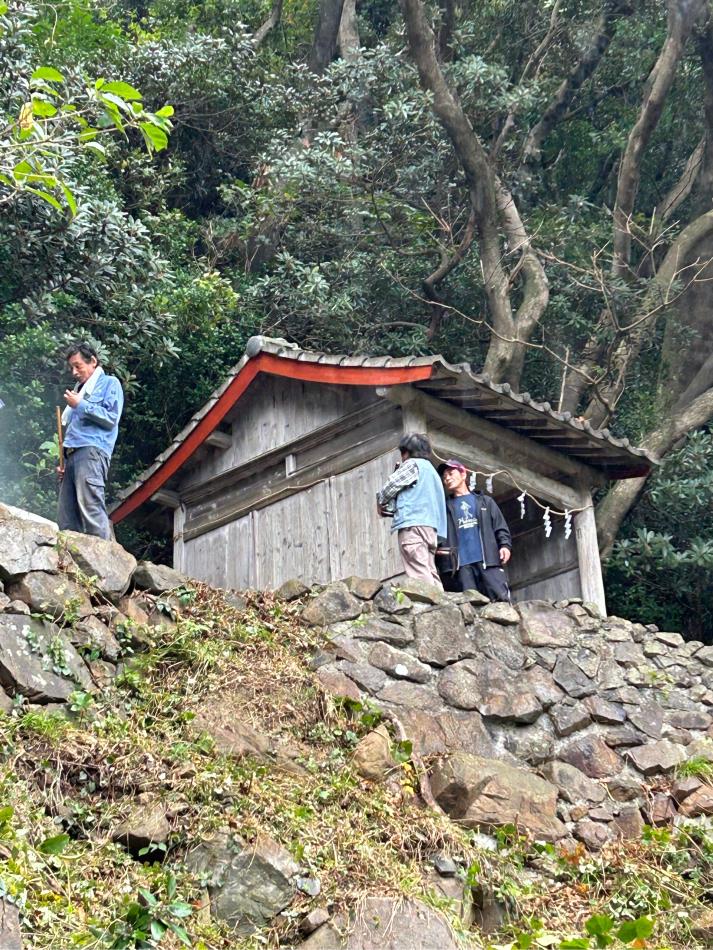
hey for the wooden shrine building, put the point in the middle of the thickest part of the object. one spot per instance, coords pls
(276, 476)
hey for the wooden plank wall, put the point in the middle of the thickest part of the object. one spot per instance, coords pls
(541, 568)
(363, 542)
(273, 412)
(324, 533)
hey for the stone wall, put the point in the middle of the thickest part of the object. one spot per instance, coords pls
(544, 715)
(47, 578)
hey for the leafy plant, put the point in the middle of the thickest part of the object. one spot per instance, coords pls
(698, 766)
(80, 702)
(146, 919)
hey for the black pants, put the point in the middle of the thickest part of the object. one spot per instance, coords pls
(491, 581)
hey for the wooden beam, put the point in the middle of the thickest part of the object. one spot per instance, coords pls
(508, 448)
(474, 455)
(219, 440)
(273, 485)
(544, 575)
(377, 415)
(169, 499)
(412, 414)
(590, 565)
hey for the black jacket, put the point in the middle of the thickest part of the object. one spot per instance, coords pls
(494, 534)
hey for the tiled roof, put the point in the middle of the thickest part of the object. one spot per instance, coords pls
(457, 384)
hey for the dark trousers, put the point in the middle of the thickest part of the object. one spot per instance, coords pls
(81, 494)
(491, 581)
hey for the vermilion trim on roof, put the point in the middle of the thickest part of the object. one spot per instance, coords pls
(273, 365)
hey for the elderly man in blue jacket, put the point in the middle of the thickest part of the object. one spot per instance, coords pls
(91, 418)
(414, 497)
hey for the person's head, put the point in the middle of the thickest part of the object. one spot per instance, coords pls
(455, 477)
(82, 360)
(415, 445)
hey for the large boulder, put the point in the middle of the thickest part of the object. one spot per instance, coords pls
(420, 592)
(592, 755)
(572, 678)
(487, 794)
(490, 688)
(26, 545)
(51, 594)
(334, 604)
(38, 661)
(157, 578)
(441, 636)
(399, 664)
(542, 625)
(385, 923)
(144, 828)
(657, 757)
(372, 757)
(106, 562)
(365, 588)
(10, 935)
(500, 613)
(440, 733)
(374, 628)
(248, 884)
(92, 635)
(574, 786)
(337, 684)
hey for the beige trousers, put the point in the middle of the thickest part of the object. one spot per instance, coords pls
(418, 548)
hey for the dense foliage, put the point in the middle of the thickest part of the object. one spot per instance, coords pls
(662, 571)
(323, 200)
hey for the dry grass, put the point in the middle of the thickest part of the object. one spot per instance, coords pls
(355, 837)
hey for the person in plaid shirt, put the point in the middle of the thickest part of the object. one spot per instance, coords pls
(414, 497)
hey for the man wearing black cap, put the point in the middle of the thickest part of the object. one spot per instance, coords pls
(478, 544)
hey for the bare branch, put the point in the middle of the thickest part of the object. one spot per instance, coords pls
(571, 84)
(678, 193)
(659, 296)
(621, 498)
(682, 17)
(448, 263)
(269, 25)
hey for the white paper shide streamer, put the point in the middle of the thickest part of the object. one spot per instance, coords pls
(521, 499)
(567, 523)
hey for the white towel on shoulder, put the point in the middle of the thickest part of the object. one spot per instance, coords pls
(86, 390)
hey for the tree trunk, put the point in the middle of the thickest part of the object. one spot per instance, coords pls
(348, 36)
(269, 25)
(621, 498)
(571, 84)
(324, 45)
(490, 202)
(681, 19)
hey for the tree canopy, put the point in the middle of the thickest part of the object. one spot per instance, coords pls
(524, 185)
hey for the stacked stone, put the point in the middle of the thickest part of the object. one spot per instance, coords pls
(546, 715)
(54, 637)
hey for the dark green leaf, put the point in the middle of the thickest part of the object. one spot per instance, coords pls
(54, 845)
(122, 89)
(48, 74)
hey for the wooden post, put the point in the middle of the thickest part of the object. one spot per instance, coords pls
(412, 413)
(60, 438)
(179, 520)
(590, 565)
